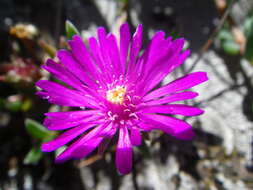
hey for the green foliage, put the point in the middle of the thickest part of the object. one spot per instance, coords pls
(38, 131)
(33, 156)
(123, 1)
(27, 104)
(14, 106)
(60, 150)
(17, 105)
(225, 35)
(71, 30)
(227, 42)
(230, 47)
(248, 27)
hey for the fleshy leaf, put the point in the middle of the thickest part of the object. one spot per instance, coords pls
(71, 30)
(33, 156)
(249, 45)
(15, 106)
(37, 130)
(231, 47)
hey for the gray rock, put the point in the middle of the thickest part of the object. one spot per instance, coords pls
(224, 116)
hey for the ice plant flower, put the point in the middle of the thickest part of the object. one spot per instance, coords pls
(112, 85)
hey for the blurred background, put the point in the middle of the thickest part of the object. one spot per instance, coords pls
(220, 36)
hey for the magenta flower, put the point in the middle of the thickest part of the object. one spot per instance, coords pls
(113, 86)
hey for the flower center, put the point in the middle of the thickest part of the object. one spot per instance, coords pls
(116, 95)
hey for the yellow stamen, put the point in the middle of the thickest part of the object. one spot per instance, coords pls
(116, 95)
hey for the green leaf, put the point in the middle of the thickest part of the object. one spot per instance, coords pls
(225, 34)
(247, 25)
(249, 45)
(27, 104)
(59, 150)
(14, 106)
(37, 130)
(33, 156)
(230, 47)
(71, 30)
(123, 1)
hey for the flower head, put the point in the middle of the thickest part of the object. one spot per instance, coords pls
(113, 84)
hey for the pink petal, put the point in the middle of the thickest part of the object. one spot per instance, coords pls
(163, 69)
(62, 124)
(64, 96)
(103, 43)
(154, 48)
(170, 125)
(62, 74)
(124, 152)
(114, 54)
(125, 37)
(135, 136)
(173, 98)
(109, 131)
(135, 48)
(81, 54)
(90, 145)
(95, 51)
(74, 67)
(86, 148)
(174, 109)
(71, 114)
(64, 138)
(72, 150)
(180, 84)
(148, 60)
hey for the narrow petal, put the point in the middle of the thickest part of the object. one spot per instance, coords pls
(157, 43)
(81, 54)
(147, 59)
(163, 69)
(180, 84)
(135, 136)
(114, 54)
(174, 109)
(107, 134)
(64, 96)
(64, 138)
(124, 152)
(135, 48)
(173, 98)
(90, 145)
(101, 33)
(97, 56)
(109, 131)
(59, 100)
(74, 67)
(62, 74)
(169, 125)
(72, 150)
(86, 148)
(66, 123)
(124, 44)
(71, 114)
